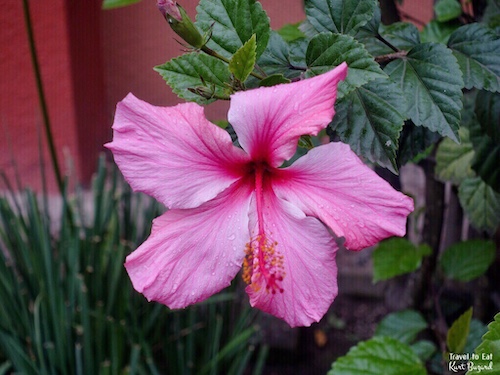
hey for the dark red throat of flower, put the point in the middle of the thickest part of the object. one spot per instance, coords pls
(263, 263)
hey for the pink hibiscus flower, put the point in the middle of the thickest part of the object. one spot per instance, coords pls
(233, 208)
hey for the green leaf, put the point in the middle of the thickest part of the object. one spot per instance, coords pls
(397, 256)
(415, 143)
(369, 119)
(306, 142)
(403, 325)
(481, 204)
(489, 351)
(488, 114)
(231, 23)
(477, 50)
(467, 260)
(275, 79)
(485, 136)
(424, 349)
(485, 162)
(432, 83)
(298, 49)
(277, 59)
(402, 35)
(5, 368)
(468, 110)
(368, 36)
(379, 355)
(476, 331)
(447, 10)
(438, 32)
(399, 35)
(195, 70)
(454, 161)
(491, 15)
(291, 32)
(339, 16)
(111, 4)
(243, 61)
(372, 26)
(221, 123)
(326, 51)
(458, 332)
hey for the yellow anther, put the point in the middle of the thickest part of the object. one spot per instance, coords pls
(263, 264)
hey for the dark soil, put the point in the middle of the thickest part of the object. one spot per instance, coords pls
(311, 351)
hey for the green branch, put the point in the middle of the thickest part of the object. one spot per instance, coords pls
(41, 97)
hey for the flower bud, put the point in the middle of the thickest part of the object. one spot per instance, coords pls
(180, 22)
(169, 7)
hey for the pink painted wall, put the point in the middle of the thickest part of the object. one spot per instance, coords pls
(92, 122)
(20, 117)
(90, 59)
(420, 12)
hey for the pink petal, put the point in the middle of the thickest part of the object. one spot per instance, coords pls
(331, 183)
(193, 253)
(307, 253)
(173, 153)
(270, 120)
(169, 7)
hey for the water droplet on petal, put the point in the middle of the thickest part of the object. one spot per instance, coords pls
(231, 237)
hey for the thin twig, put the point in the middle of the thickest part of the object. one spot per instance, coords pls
(41, 97)
(387, 43)
(384, 59)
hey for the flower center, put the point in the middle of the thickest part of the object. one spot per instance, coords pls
(263, 263)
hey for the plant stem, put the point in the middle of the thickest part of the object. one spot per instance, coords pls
(433, 223)
(211, 52)
(387, 43)
(440, 327)
(41, 97)
(383, 59)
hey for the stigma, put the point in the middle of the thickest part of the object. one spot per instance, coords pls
(263, 265)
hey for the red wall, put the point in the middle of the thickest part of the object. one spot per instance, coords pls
(92, 123)
(90, 59)
(20, 117)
